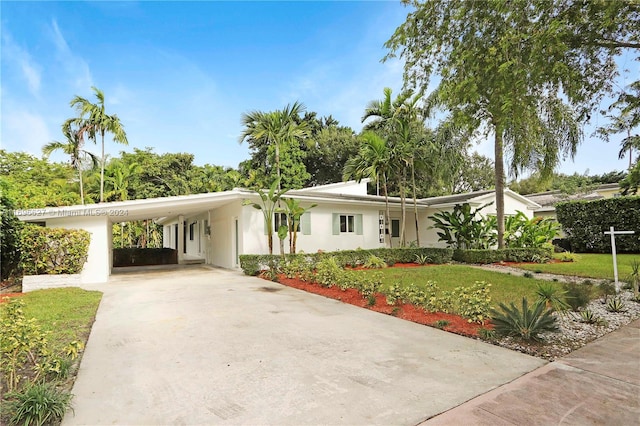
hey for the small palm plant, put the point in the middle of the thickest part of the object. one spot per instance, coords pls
(526, 324)
(552, 297)
(374, 262)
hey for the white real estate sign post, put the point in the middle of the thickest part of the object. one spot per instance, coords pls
(613, 234)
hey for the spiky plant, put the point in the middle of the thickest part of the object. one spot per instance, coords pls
(552, 297)
(526, 324)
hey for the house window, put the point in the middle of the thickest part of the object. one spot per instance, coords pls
(347, 223)
(191, 231)
(280, 219)
(395, 228)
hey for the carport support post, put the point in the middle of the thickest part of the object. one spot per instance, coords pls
(613, 234)
(180, 239)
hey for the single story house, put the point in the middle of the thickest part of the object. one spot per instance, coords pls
(216, 228)
(548, 199)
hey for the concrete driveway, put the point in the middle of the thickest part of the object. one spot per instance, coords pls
(208, 346)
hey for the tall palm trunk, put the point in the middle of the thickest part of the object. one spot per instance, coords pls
(81, 186)
(102, 170)
(403, 206)
(415, 202)
(278, 166)
(387, 212)
(499, 169)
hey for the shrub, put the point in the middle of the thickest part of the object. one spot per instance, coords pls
(567, 256)
(327, 272)
(540, 254)
(374, 262)
(606, 289)
(578, 295)
(552, 297)
(10, 228)
(521, 232)
(464, 228)
(441, 324)
(38, 404)
(252, 264)
(369, 284)
(53, 250)
(474, 302)
(526, 324)
(584, 222)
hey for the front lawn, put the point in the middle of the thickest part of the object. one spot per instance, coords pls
(504, 288)
(68, 313)
(589, 265)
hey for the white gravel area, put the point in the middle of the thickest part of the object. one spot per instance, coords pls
(573, 332)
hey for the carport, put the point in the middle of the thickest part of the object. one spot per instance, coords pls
(98, 220)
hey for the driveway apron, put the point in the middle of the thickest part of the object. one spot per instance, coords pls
(209, 346)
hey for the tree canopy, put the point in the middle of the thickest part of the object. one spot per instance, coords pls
(526, 71)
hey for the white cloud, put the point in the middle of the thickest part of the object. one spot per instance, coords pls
(75, 66)
(22, 60)
(24, 131)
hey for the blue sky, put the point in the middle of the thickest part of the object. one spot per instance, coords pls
(180, 74)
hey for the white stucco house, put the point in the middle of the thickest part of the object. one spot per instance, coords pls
(216, 228)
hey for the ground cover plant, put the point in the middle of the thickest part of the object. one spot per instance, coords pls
(588, 265)
(504, 288)
(42, 336)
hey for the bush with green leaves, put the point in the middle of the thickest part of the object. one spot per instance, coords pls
(473, 302)
(465, 228)
(526, 323)
(522, 232)
(584, 223)
(53, 250)
(369, 284)
(327, 272)
(537, 254)
(578, 295)
(252, 264)
(24, 349)
(374, 262)
(10, 228)
(37, 404)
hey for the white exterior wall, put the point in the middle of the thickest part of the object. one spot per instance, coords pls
(100, 257)
(347, 188)
(222, 239)
(196, 247)
(321, 236)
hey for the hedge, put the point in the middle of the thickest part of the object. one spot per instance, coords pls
(503, 255)
(53, 251)
(584, 224)
(252, 264)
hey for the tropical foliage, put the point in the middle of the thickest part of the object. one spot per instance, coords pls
(465, 228)
(522, 232)
(526, 323)
(529, 72)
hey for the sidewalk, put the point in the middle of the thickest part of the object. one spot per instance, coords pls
(595, 385)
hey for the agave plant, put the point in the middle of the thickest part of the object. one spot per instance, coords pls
(526, 324)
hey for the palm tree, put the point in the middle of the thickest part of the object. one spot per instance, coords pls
(118, 176)
(273, 129)
(73, 146)
(399, 120)
(95, 121)
(372, 161)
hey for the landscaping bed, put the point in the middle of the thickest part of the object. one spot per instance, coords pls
(454, 323)
(43, 334)
(573, 332)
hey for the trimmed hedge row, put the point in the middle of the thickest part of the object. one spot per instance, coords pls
(584, 223)
(53, 251)
(505, 255)
(252, 264)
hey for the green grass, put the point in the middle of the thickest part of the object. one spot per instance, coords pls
(588, 265)
(67, 312)
(504, 288)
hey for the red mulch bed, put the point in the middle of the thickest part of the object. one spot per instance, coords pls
(4, 297)
(405, 311)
